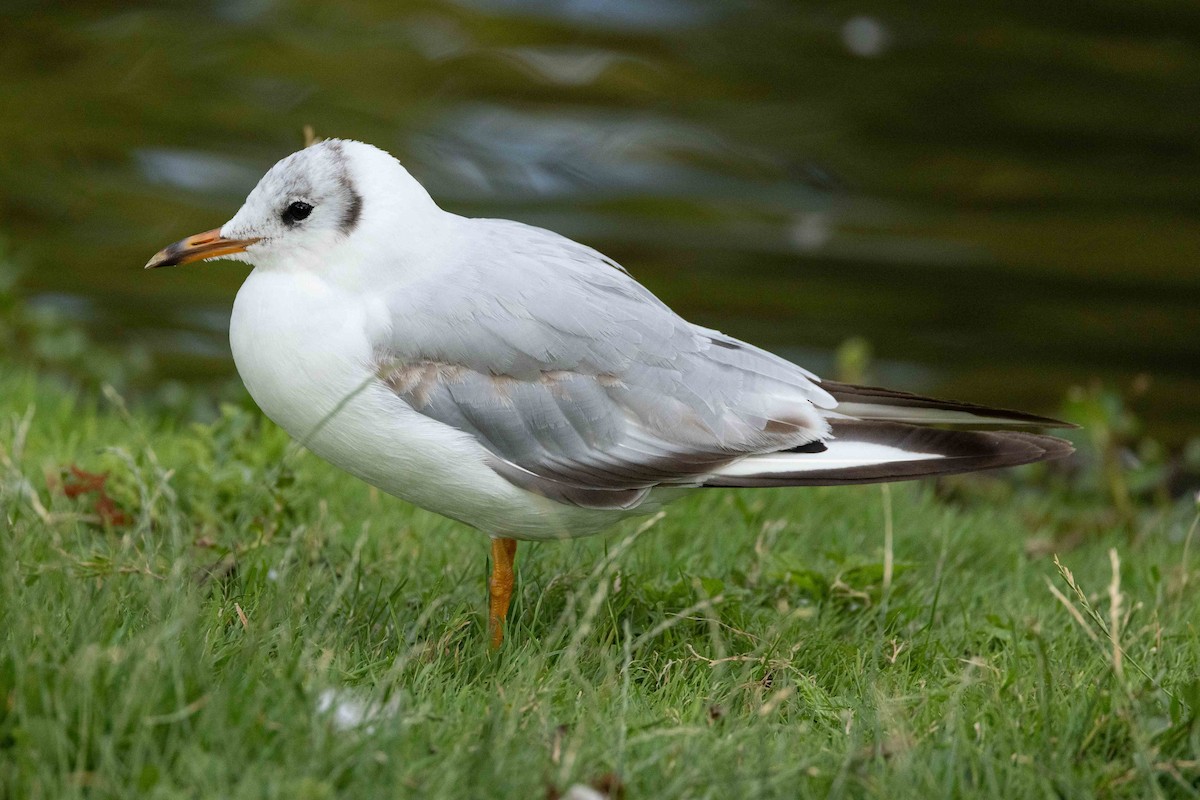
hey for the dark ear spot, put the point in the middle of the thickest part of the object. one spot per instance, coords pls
(354, 201)
(353, 208)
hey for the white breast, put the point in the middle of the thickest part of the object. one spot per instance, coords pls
(303, 349)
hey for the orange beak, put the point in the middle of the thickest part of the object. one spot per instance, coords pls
(209, 244)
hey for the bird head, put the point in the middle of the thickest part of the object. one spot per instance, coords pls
(331, 203)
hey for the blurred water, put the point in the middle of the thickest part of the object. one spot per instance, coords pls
(1004, 201)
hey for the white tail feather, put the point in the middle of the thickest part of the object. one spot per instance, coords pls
(874, 451)
(839, 455)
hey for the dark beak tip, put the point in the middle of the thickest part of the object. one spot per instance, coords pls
(201, 247)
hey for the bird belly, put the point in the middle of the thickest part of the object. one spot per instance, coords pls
(303, 351)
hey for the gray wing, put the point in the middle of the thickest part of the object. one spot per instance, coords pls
(582, 385)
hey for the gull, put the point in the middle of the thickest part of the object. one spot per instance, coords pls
(524, 384)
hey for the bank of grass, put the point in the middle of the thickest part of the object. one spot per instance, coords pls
(243, 620)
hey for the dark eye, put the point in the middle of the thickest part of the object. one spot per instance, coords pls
(296, 212)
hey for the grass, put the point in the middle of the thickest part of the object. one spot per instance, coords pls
(244, 621)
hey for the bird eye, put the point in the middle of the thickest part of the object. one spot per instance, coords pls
(296, 212)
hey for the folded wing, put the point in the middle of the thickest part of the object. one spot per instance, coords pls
(585, 388)
(581, 384)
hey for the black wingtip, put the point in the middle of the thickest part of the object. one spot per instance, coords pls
(879, 396)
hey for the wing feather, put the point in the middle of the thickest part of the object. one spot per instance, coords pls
(582, 385)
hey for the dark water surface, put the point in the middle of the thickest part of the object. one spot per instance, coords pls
(1003, 202)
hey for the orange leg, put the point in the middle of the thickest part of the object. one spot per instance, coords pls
(500, 587)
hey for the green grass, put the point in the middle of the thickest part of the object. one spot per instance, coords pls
(753, 644)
